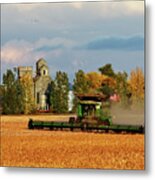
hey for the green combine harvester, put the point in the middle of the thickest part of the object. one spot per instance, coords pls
(91, 116)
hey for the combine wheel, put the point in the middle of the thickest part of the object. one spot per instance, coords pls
(61, 127)
(71, 127)
(106, 122)
(41, 126)
(142, 130)
(51, 128)
(107, 131)
(71, 122)
(84, 127)
(30, 124)
(71, 119)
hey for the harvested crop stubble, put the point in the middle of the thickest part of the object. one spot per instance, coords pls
(57, 149)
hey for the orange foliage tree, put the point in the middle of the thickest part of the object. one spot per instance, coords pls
(27, 84)
(137, 85)
(95, 80)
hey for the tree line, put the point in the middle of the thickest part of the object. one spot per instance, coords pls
(17, 95)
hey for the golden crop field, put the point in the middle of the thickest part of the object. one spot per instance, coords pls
(64, 149)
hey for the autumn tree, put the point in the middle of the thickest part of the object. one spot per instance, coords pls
(59, 94)
(26, 82)
(137, 84)
(95, 80)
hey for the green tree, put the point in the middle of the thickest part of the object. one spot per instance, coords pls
(1, 97)
(107, 70)
(12, 94)
(122, 87)
(107, 87)
(9, 92)
(8, 78)
(59, 94)
(81, 84)
(19, 98)
(108, 84)
(53, 96)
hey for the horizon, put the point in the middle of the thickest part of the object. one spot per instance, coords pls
(53, 77)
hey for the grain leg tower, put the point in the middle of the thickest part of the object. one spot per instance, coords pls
(42, 85)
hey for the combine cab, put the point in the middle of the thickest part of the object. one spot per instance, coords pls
(90, 111)
(92, 115)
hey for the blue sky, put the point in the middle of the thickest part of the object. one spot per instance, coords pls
(73, 36)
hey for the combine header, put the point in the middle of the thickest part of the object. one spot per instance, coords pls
(91, 115)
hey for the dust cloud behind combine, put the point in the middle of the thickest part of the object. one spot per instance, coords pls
(131, 116)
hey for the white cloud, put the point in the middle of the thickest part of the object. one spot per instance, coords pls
(63, 19)
(58, 11)
(16, 51)
(34, 6)
(20, 51)
(28, 7)
(120, 9)
(133, 7)
(76, 5)
(54, 42)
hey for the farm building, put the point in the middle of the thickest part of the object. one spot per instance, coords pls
(41, 83)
